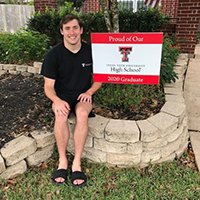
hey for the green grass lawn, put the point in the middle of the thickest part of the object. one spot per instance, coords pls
(173, 180)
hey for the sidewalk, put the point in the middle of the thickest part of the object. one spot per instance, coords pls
(192, 100)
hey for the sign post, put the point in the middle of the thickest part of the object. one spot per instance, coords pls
(127, 58)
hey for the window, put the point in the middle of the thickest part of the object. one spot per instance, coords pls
(135, 5)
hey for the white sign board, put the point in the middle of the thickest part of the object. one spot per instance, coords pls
(132, 58)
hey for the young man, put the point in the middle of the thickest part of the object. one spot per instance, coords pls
(67, 73)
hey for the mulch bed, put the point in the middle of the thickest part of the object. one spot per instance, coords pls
(24, 108)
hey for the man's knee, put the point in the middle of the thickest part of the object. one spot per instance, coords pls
(82, 115)
(61, 119)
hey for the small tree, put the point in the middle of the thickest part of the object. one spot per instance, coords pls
(111, 16)
(77, 4)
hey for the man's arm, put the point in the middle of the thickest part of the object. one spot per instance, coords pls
(60, 107)
(94, 88)
(87, 96)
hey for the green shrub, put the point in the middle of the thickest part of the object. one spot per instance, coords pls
(141, 21)
(128, 21)
(23, 47)
(127, 96)
(170, 53)
(76, 4)
(93, 22)
(150, 20)
(48, 23)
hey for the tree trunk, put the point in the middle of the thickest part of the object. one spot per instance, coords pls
(115, 16)
(112, 21)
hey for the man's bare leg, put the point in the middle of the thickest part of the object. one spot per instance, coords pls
(80, 134)
(61, 132)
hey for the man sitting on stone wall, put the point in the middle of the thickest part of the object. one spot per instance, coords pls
(67, 71)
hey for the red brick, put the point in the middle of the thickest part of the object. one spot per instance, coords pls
(41, 5)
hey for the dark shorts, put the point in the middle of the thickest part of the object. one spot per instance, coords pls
(72, 101)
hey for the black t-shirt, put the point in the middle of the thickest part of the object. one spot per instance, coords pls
(71, 71)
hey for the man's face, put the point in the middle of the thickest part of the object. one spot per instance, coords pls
(72, 32)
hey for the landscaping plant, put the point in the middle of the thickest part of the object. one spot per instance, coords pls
(22, 47)
(170, 54)
(140, 21)
(48, 22)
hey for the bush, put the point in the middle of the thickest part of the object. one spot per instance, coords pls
(150, 20)
(170, 53)
(48, 23)
(23, 47)
(127, 96)
(141, 21)
(93, 22)
(76, 4)
(128, 21)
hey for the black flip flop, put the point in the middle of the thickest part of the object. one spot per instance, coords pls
(59, 173)
(78, 175)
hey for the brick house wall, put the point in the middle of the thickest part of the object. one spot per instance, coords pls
(187, 24)
(91, 5)
(170, 8)
(40, 5)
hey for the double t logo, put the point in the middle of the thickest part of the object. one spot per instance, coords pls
(125, 51)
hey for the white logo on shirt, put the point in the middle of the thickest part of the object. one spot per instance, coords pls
(86, 64)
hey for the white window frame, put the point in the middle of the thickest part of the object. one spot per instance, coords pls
(135, 9)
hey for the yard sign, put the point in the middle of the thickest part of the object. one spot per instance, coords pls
(131, 58)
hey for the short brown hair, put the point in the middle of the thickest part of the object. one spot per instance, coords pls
(68, 18)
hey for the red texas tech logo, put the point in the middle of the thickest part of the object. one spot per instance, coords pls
(125, 51)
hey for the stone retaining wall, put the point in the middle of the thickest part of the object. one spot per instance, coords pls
(24, 152)
(159, 138)
(21, 69)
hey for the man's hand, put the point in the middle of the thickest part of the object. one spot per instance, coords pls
(61, 108)
(85, 97)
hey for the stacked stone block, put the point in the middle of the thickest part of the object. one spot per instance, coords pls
(21, 69)
(20, 153)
